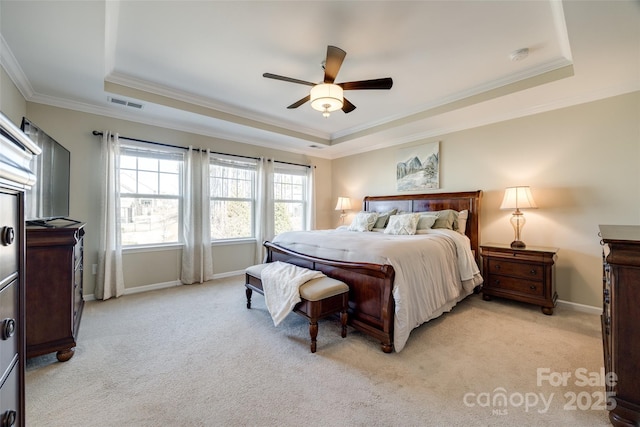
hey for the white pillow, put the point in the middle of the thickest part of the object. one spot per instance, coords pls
(364, 221)
(462, 221)
(426, 221)
(402, 224)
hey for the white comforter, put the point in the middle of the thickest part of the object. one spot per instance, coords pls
(434, 271)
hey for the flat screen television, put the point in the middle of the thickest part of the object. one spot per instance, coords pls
(48, 198)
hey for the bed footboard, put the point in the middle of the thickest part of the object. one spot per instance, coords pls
(371, 305)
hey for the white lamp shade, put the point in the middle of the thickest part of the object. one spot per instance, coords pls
(518, 198)
(343, 204)
(326, 97)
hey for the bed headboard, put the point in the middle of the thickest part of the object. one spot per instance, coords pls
(469, 200)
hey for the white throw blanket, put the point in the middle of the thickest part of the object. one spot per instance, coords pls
(281, 285)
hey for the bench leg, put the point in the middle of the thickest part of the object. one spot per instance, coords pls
(248, 292)
(313, 331)
(343, 320)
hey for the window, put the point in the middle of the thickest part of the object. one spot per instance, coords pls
(290, 198)
(150, 195)
(232, 187)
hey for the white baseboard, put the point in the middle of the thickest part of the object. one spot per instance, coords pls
(580, 307)
(164, 285)
(228, 274)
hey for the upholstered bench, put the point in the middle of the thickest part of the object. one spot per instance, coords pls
(320, 297)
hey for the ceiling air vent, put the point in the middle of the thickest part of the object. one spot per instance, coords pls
(125, 103)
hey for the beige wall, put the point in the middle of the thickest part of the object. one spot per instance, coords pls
(12, 103)
(142, 268)
(581, 163)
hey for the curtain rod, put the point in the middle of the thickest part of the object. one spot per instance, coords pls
(98, 133)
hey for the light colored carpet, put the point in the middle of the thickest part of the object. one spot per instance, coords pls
(195, 356)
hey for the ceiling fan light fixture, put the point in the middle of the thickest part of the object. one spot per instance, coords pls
(326, 97)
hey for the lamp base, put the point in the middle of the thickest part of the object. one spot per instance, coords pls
(518, 244)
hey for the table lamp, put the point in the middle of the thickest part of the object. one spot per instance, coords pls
(343, 204)
(518, 198)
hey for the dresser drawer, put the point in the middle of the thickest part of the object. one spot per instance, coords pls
(10, 397)
(8, 326)
(9, 233)
(516, 269)
(512, 284)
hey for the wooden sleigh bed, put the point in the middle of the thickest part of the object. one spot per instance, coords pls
(371, 302)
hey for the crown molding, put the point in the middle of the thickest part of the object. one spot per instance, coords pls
(14, 70)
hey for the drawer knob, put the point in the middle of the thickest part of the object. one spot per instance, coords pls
(9, 418)
(7, 236)
(8, 328)
(533, 271)
(532, 287)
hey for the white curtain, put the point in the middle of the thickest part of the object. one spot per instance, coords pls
(197, 263)
(110, 279)
(311, 199)
(264, 207)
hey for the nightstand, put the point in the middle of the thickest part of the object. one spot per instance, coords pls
(522, 274)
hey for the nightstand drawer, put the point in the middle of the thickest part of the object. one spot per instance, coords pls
(512, 284)
(516, 269)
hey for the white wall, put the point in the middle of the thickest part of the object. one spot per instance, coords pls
(581, 163)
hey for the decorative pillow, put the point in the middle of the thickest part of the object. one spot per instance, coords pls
(364, 221)
(402, 224)
(426, 221)
(447, 218)
(462, 221)
(383, 218)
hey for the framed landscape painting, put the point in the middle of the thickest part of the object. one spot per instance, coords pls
(418, 167)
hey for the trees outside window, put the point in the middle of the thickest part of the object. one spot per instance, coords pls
(290, 198)
(150, 195)
(151, 199)
(232, 186)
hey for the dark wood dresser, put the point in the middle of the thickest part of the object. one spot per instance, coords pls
(522, 274)
(621, 320)
(54, 289)
(15, 177)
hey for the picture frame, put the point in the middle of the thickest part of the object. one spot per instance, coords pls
(418, 167)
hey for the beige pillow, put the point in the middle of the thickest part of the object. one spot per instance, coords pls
(447, 218)
(363, 221)
(462, 221)
(402, 224)
(383, 218)
(426, 222)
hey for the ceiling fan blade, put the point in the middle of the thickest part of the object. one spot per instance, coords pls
(335, 56)
(300, 102)
(287, 79)
(347, 106)
(384, 83)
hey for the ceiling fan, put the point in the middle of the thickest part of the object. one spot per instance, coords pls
(328, 96)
